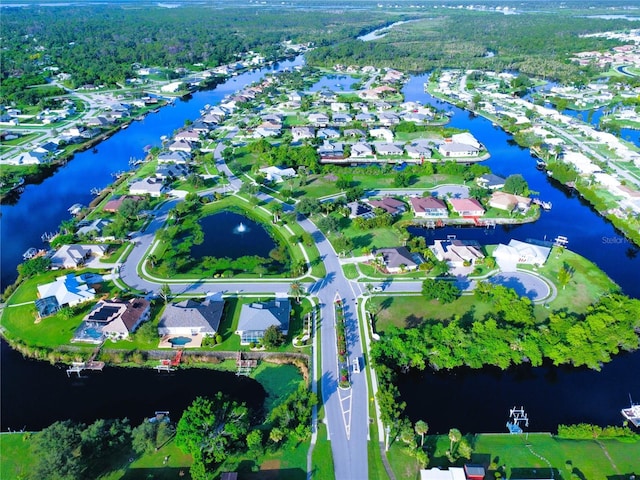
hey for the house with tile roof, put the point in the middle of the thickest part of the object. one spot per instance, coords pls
(257, 317)
(397, 259)
(428, 207)
(467, 207)
(118, 318)
(390, 205)
(190, 317)
(68, 290)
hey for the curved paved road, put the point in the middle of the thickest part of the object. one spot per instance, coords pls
(346, 411)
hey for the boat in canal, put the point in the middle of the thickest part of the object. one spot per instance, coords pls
(632, 414)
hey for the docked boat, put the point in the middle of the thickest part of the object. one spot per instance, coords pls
(632, 414)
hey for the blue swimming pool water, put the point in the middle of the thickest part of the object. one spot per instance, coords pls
(179, 340)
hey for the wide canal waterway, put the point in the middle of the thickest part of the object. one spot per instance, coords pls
(35, 394)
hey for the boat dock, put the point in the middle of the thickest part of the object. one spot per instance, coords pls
(169, 365)
(244, 365)
(78, 367)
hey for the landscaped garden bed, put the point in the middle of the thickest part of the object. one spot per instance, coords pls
(341, 338)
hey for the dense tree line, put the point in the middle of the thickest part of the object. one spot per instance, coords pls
(510, 335)
(538, 43)
(100, 44)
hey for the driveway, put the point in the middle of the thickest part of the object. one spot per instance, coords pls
(524, 283)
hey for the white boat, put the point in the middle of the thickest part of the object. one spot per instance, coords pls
(632, 414)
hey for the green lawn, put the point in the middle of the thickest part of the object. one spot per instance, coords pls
(15, 463)
(411, 311)
(585, 459)
(322, 457)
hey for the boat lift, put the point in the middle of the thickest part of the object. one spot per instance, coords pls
(517, 415)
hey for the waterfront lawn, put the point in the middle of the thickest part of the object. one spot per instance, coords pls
(411, 311)
(588, 283)
(15, 460)
(587, 458)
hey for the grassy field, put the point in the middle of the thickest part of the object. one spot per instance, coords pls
(411, 311)
(518, 456)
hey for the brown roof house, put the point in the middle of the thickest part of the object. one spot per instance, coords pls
(118, 318)
(390, 205)
(467, 207)
(429, 207)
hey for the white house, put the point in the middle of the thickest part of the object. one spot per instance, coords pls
(383, 133)
(68, 290)
(508, 256)
(147, 186)
(277, 174)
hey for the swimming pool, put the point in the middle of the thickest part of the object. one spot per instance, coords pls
(88, 333)
(179, 341)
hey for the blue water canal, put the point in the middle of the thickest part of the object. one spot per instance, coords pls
(469, 400)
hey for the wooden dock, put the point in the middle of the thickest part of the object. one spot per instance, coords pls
(78, 367)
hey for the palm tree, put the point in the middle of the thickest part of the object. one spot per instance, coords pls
(296, 289)
(165, 292)
(564, 277)
(276, 208)
(454, 437)
(152, 259)
(421, 427)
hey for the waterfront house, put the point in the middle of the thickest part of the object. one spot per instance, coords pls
(113, 205)
(467, 207)
(171, 170)
(517, 252)
(189, 136)
(490, 181)
(509, 202)
(92, 228)
(389, 149)
(68, 290)
(397, 259)
(361, 150)
(329, 151)
(453, 149)
(257, 317)
(457, 253)
(118, 318)
(179, 157)
(390, 205)
(75, 256)
(466, 138)
(418, 149)
(151, 186)
(190, 317)
(29, 158)
(181, 146)
(429, 207)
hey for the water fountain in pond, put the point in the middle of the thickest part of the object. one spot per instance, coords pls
(240, 229)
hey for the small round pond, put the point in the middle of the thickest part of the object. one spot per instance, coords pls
(179, 341)
(232, 235)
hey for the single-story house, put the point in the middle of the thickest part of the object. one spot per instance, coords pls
(318, 119)
(92, 228)
(354, 133)
(171, 170)
(325, 133)
(509, 202)
(190, 317)
(188, 135)
(457, 252)
(177, 157)
(68, 290)
(387, 119)
(365, 117)
(490, 181)
(30, 158)
(418, 150)
(300, 133)
(361, 149)
(257, 317)
(74, 256)
(118, 318)
(389, 149)
(390, 205)
(453, 149)
(278, 174)
(467, 207)
(331, 150)
(115, 203)
(341, 118)
(383, 133)
(148, 186)
(466, 138)
(429, 207)
(181, 146)
(397, 259)
(268, 129)
(521, 252)
(358, 209)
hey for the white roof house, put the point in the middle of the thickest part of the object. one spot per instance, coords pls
(508, 256)
(277, 174)
(147, 186)
(74, 256)
(67, 290)
(453, 473)
(466, 138)
(457, 252)
(383, 133)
